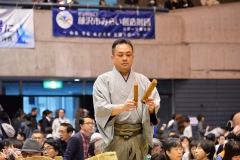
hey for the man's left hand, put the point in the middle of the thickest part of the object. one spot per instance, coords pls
(150, 104)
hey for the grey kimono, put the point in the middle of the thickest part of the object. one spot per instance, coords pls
(111, 89)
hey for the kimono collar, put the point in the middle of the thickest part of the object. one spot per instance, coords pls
(118, 73)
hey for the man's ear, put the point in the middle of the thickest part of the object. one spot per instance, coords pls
(112, 57)
(168, 153)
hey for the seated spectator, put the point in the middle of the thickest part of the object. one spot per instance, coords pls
(65, 132)
(15, 143)
(209, 2)
(157, 147)
(185, 4)
(171, 4)
(31, 148)
(38, 135)
(51, 148)
(6, 143)
(173, 149)
(152, 3)
(95, 148)
(185, 144)
(21, 136)
(192, 153)
(205, 150)
(232, 150)
(220, 141)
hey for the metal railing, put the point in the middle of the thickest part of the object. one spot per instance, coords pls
(77, 6)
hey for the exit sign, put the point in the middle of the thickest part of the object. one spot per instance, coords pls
(52, 84)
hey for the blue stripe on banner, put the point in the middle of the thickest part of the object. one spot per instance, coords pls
(103, 24)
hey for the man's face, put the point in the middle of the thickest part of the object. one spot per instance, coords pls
(87, 126)
(49, 115)
(61, 113)
(38, 137)
(35, 112)
(221, 140)
(64, 135)
(123, 57)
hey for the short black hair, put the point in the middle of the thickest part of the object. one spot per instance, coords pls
(52, 143)
(81, 120)
(22, 134)
(34, 109)
(186, 119)
(48, 112)
(69, 127)
(211, 137)
(121, 41)
(208, 147)
(170, 143)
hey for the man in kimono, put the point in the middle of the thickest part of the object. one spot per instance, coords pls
(125, 125)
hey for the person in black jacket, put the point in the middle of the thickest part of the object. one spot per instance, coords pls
(47, 121)
(78, 144)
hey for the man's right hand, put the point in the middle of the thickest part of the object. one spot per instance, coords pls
(130, 105)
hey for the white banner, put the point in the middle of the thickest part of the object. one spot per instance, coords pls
(16, 28)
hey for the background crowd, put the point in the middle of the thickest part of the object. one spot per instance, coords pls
(54, 136)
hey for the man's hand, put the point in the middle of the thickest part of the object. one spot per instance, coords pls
(150, 104)
(130, 105)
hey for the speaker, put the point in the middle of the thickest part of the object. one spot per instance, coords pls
(131, 1)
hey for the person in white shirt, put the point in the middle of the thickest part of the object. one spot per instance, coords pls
(188, 129)
(58, 121)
